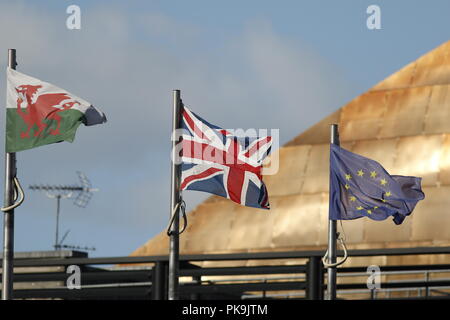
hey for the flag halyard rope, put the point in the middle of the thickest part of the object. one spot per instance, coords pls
(18, 193)
(182, 206)
(337, 263)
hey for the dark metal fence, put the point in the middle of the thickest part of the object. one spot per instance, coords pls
(146, 277)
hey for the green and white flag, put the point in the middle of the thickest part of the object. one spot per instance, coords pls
(39, 113)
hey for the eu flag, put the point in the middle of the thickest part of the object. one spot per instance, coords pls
(361, 187)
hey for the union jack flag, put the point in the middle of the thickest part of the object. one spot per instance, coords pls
(217, 162)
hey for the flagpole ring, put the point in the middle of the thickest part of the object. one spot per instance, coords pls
(180, 205)
(18, 193)
(337, 263)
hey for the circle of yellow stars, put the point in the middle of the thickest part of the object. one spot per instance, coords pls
(373, 175)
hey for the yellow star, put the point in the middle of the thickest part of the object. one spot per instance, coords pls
(383, 200)
(359, 208)
(388, 194)
(383, 182)
(369, 211)
(348, 177)
(373, 174)
(360, 173)
(353, 198)
(375, 207)
(347, 186)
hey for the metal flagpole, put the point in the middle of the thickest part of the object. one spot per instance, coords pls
(332, 234)
(58, 204)
(8, 218)
(175, 202)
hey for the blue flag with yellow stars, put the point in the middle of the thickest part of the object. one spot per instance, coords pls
(361, 187)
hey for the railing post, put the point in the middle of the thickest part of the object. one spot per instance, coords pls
(196, 296)
(159, 281)
(314, 279)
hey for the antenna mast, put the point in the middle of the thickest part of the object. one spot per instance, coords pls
(58, 192)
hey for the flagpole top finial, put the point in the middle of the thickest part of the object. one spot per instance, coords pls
(334, 134)
(12, 63)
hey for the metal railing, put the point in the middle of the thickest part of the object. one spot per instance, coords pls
(296, 275)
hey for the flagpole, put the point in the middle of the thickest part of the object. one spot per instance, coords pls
(8, 218)
(175, 200)
(332, 234)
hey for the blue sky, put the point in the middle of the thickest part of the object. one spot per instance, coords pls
(238, 64)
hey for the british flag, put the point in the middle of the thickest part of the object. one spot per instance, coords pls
(218, 162)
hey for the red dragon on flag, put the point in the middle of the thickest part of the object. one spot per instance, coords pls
(40, 107)
(39, 113)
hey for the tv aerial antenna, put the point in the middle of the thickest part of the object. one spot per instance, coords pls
(83, 192)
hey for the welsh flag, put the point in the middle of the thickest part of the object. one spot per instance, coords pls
(39, 113)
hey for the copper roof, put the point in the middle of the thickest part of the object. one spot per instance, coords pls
(403, 122)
